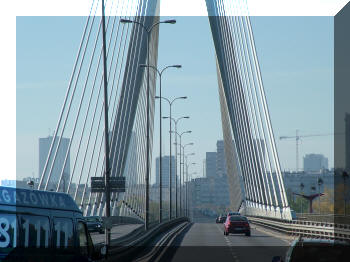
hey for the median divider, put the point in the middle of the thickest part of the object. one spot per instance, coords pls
(134, 242)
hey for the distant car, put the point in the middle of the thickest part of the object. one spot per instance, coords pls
(308, 249)
(233, 214)
(95, 224)
(236, 224)
(221, 219)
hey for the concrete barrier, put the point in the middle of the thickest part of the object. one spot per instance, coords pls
(124, 220)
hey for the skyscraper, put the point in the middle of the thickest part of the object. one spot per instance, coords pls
(44, 147)
(165, 170)
(221, 167)
(210, 164)
(315, 162)
(347, 141)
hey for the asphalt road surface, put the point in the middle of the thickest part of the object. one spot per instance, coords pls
(116, 232)
(207, 242)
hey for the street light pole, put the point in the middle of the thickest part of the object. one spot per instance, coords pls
(319, 182)
(186, 183)
(176, 186)
(160, 73)
(345, 176)
(107, 167)
(301, 199)
(180, 135)
(170, 145)
(183, 174)
(190, 195)
(148, 33)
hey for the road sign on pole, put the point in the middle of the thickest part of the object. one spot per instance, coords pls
(116, 184)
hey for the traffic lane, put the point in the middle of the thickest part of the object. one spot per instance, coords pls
(203, 234)
(260, 246)
(117, 231)
(257, 238)
(200, 242)
(206, 242)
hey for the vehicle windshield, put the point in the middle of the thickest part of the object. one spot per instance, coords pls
(238, 218)
(92, 219)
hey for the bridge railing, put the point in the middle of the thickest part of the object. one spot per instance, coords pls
(310, 229)
(331, 218)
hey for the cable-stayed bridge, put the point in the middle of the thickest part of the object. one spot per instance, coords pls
(107, 71)
(245, 116)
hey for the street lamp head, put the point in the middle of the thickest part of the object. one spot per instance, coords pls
(171, 21)
(125, 21)
(183, 97)
(143, 65)
(187, 117)
(177, 66)
(165, 117)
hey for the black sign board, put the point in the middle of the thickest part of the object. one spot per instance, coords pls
(117, 184)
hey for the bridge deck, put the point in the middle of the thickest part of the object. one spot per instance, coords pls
(206, 242)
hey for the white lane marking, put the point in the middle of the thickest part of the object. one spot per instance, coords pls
(229, 244)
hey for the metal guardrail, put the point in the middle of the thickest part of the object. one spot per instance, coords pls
(123, 250)
(305, 228)
(331, 218)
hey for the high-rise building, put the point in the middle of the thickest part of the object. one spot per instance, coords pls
(315, 162)
(165, 170)
(210, 164)
(44, 147)
(347, 141)
(221, 167)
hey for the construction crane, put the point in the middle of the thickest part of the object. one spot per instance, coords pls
(297, 138)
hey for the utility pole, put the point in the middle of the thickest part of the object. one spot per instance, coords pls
(107, 170)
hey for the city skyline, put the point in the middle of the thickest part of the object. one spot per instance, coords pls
(187, 80)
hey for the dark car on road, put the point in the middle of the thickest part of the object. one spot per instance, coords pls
(315, 250)
(233, 214)
(221, 219)
(95, 224)
(236, 225)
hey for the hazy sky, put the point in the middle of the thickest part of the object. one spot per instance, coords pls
(296, 58)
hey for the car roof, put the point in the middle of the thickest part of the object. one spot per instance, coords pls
(20, 197)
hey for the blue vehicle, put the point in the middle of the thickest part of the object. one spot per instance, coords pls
(95, 224)
(42, 226)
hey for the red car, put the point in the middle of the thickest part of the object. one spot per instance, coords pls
(236, 224)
